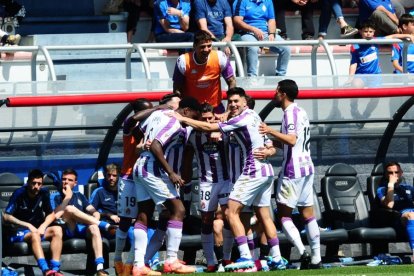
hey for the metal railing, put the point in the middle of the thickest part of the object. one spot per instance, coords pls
(233, 45)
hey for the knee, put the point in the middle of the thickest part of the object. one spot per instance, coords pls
(57, 232)
(70, 210)
(94, 230)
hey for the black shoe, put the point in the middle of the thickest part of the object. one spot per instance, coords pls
(307, 37)
(316, 266)
(305, 260)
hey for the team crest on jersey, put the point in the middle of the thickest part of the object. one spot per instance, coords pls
(291, 127)
(210, 147)
(203, 205)
(128, 211)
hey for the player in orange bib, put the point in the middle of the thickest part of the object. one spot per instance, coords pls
(197, 73)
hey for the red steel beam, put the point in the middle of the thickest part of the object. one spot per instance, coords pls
(83, 99)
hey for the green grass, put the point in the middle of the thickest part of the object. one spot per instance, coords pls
(348, 271)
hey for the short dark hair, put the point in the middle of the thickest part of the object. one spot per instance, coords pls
(191, 103)
(35, 173)
(289, 87)
(141, 104)
(250, 102)
(70, 171)
(202, 36)
(206, 107)
(405, 19)
(368, 24)
(236, 91)
(167, 97)
(390, 164)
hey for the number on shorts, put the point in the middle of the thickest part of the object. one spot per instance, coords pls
(205, 195)
(130, 201)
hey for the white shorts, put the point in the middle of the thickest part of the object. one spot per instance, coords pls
(127, 201)
(148, 186)
(252, 191)
(295, 192)
(212, 194)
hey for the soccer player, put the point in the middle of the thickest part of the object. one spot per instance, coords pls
(81, 218)
(29, 209)
(254, 185)
(197, 74)
(295, 182)
(156, 174)
(213, 179)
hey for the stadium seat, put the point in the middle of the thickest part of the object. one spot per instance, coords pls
(332, 238)
(346, 207)
(11, 179)
(381, 216)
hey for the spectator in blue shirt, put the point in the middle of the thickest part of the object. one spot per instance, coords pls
(215, 17)
(382, 13)
(398, 195)
(365, 61)
(406, 25)
(81, 218)
(172, 21)
(255, 21)
(29, 209)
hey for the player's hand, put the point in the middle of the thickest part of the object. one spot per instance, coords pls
(67, 191)
(260, 153)
(147, 144)
(41, 230)
(264, 129)
(393, 178)
(115, 218)
(215, 136)
(32, 228)
(176, 179)
(222, 117)
(176, 115)
(300, 2)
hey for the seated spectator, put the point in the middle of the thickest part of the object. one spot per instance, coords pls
(381, 13)
(172, 21)
(398, 195)
(329, 6)
(406, 25)
(113, 7)
(30, 214)
(215, 18)
(134, 9)
(81, 218)
(305, 7)
(255, 21)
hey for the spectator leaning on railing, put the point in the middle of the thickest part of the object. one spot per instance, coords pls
(406, 26)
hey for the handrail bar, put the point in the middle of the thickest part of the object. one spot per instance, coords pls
(182, 45)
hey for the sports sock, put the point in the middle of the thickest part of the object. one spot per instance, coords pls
(140, 236)
(292, 234)
(174, 235)
(243, 247)
(120, 240)
(313, 235)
